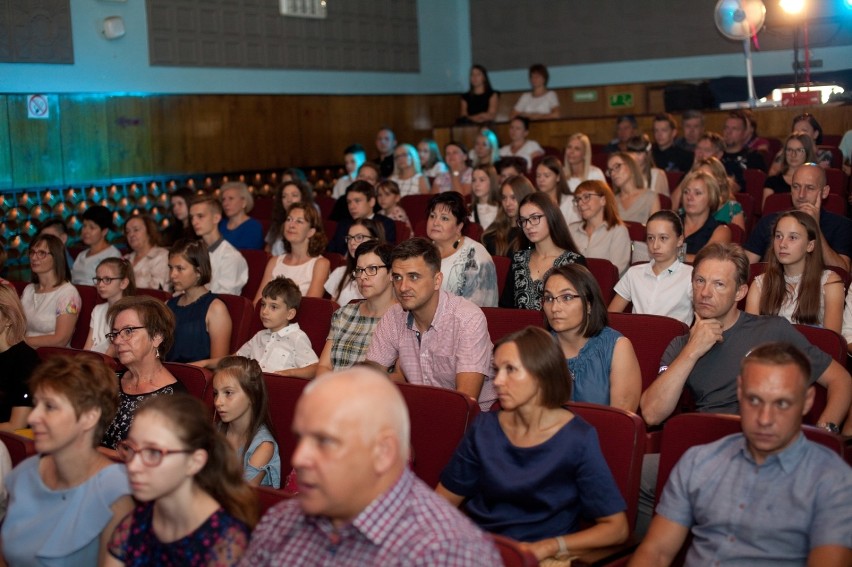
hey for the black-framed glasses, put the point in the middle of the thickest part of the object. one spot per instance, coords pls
(151, 457)
(585, 197)
(40, 254)
(357, 238)
(563, 299)
(369, 270)
(124, 333)
(531, 220)
(615, 167)
(794, 151)
(106, 280)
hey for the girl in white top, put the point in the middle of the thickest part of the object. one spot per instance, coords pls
(97, 222)
(540, 104)
(113, 280)
(341, 285)
(302, 261)
(578, 161)
(796, 284)
(485, 197)
(663, 286)
(433, 165)
(639, 148)
(460, 172)
(407, 172)
(52, 303)
(519, 146)
(600, 234)
(550, 180)
(150, 262)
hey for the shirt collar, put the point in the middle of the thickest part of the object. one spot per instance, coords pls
(786, 459)
(283, 332)
(212, 248)
(443, 297)
(673, 269)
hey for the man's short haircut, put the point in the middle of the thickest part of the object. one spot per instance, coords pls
(740, 115)
(284, 289)
(53, 221)
(209, 200)
(523, 120)
(727, 253)
(778, 354)
(692, 114)
(418, 247)
(666, 117)
(355, 149)
(518, 163)
(363, 187)
(627, 118)
(540, 69)
(195, 252)
(387, 128)
(715, 139)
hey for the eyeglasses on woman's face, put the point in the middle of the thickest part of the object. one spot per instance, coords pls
(359, 238)
(39, 254)
(562, 299)
(151, 456)
(613, 169)
(369, 270)
(105, 280)
(124, 333)
(531, 220)
(585, 198)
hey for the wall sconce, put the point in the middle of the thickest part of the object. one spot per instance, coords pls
(113, 27)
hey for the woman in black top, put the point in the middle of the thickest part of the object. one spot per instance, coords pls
(479, 103)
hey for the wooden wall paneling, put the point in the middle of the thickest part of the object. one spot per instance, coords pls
(85, 144)
(5, 146)
(208, 127)
(36, 147)
(130, 131)
(315, 134)
(171, 134)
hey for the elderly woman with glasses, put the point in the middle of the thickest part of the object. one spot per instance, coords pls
(353, 324)
(600, 234)
(142, 332)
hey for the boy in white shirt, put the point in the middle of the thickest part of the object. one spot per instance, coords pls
(281, 348)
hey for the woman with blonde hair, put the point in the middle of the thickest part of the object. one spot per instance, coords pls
(578, 161)
(701, 198)
(730, 211)
(486, 149)
(407, 172)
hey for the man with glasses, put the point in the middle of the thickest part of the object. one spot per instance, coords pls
(433, 337)
(361, 201)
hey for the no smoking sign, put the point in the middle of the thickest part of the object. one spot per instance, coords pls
(38, 107)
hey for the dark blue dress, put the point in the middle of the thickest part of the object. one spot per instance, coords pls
(192, 341)
(532, 493)
(699, 239)
(248, 235)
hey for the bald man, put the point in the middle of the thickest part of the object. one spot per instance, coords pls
(358, 502)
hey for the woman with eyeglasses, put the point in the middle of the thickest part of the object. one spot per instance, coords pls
(51, 302)
(545, 243)
(302, 260)
(534, 471)
(142, 332)
(66, 500)
(150, 261)
(353, 324)
(407, 172)
(194, 508)
(634, 200)
(467, 266)
(114, 279)
(600, 234)
(808, 124)
(501, 237)
(341, 285)
(602, 361)
(798, 150)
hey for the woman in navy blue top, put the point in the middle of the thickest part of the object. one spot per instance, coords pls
(533, 471)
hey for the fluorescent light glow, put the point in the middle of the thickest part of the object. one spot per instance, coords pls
(794, 6)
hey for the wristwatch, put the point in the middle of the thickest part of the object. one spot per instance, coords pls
(830, 427)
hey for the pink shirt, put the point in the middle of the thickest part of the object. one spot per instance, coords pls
(456, 341)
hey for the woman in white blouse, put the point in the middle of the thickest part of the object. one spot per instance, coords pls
(519, 146)
(150, 262)
(407, 172)
(578, 161)
(540, 104)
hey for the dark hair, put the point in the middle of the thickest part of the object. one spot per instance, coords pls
(86, 381)
(627, 118)
(363, 187)
(279, 212)
(725, 253)
(57, 251)
(154, 315)
(188, 195)
(487, 82)
(543, 359)
(669, 216)
(540, 69)
(209, 200)
(523, 120)
(553, 164)
(516, 162)
(53, 221)
(807, 144)
(501, 228)
(714, 138)
(381, 249)
(493, 196)
(222, 476)
(150, 228)
(195, 252)
(668, 118)
(317, 242)
(377, 233)
(742, 116)
(99, 215)
(285, 289)
(779, 354)
(418, 247)
(594, 309)
(812, 121)
(691, 114)
(355, 149)
(555, 222)
(454, 202)
(295, 173)
(371, 165)
(389, 186)
(125, 271)
(610, 210)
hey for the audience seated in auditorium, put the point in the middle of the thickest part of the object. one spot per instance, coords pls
(202, 324)
(461, 174)
(179, 226)
(578, 161)
(354, 157)
(149, 261)
(407, 172)
(550, 180)
(388, 197)
(808, 192)
(808, 124)
(501, 238)
(707, 360)
(433, 337)
(288, 193)
(766, 496)
(485, 197)
(625, 128)
(519, 146)
(363, 490)
(753, 141)
(486, 148)
(65, 501)
(51, 303)
(236, 226)
(540, 103)
(738, 156)
(479, 104)
(467, 268)
(534, 471)
(636, 201)
(385, 144)
(796, 284)
(341, 284)
(114, 279)
(302, 261)
(602, 361)
(600, 234)
(701, 198)
(97, 222)
(542, 247)
(668, 156)
(663, 286)
(230, 269)
(655, 179)
(730, 211)
(194, 507)
(352, 325)
(693, 129)
(17, 359)
(433, 166)
(361, 202)
(281, 347)
(56, 226)
(798, 150)
(242, 406)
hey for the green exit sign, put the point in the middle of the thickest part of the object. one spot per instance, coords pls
(621, 100)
